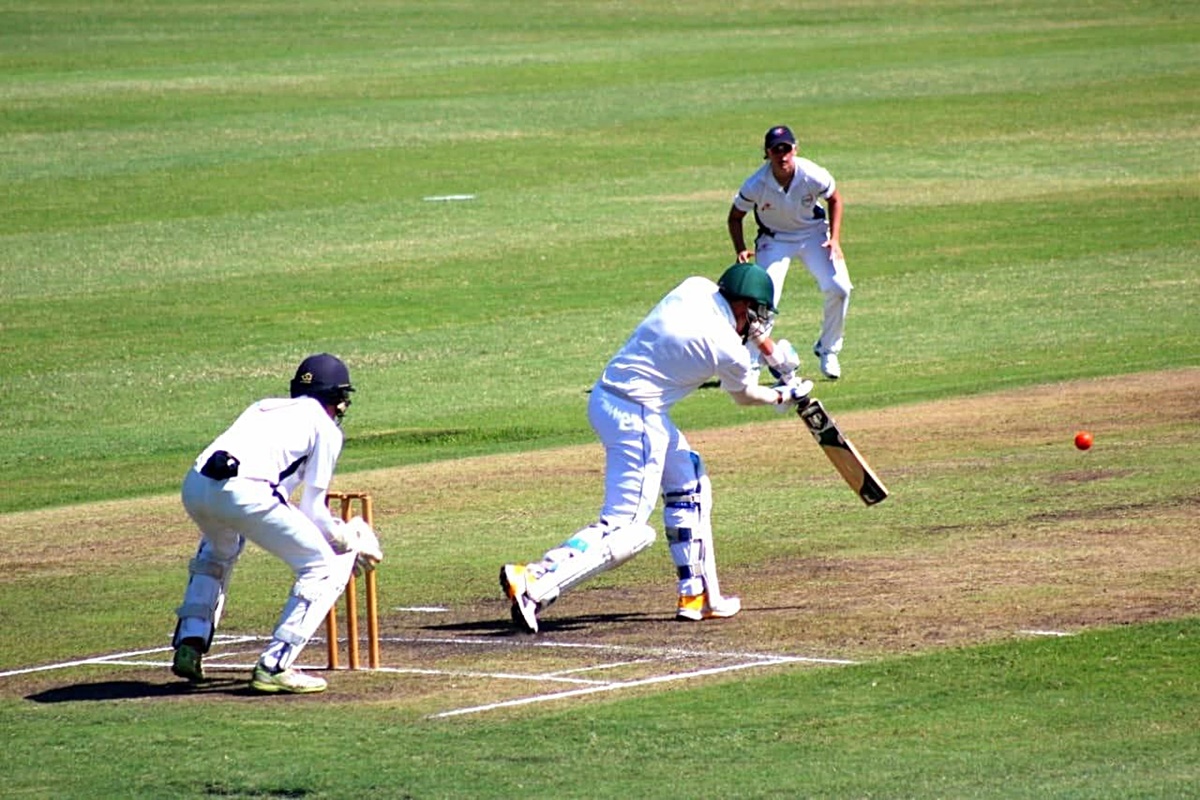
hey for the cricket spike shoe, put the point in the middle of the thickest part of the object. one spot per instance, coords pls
(289, 681)
(514, 580)
(186, 662)
(831, 368)
(693, 608)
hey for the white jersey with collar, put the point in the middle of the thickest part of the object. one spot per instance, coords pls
(284, 442)
(687, 339)
(792, 211)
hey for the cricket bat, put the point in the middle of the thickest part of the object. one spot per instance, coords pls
(845, 457)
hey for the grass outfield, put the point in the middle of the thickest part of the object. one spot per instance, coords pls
(1102, 715)
(196, 197)
(198, 200)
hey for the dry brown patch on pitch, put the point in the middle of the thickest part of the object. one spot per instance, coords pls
(953, 584)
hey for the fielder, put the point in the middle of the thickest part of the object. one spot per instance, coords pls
(238, 489)
(698, 331)
(786, 197)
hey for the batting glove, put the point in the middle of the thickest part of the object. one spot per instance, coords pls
(793, 393)
(783, 361)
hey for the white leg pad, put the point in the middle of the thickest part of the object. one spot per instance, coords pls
(591, 551)
(689, 552)
(204, 598)
(313, 594)
(687, 515)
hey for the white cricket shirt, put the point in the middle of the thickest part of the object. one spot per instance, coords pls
(793, 211)
(687, 339)
(283, 441)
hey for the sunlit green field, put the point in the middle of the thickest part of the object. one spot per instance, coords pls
(473, 204)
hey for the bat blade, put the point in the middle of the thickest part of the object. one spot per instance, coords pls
(843, 454)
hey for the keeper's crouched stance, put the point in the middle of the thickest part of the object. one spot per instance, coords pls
(238, 490)
(698, 331)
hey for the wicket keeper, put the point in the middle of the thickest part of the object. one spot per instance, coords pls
(239, 488)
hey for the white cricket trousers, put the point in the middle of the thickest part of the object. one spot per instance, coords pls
(775, 255)
(644, 454)
(225, 511)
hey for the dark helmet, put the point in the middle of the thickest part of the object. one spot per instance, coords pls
(748, 281)
(324, 377)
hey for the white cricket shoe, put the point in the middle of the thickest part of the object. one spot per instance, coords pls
(693, 608)
(514, 580)
(830, 367)
(291, 681)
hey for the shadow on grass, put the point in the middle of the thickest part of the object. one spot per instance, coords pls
(138, 690)
(500, 627)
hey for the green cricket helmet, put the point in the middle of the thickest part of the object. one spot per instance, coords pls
(749, 281)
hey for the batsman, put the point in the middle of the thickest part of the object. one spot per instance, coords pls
(698, 331)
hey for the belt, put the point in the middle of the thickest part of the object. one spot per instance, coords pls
(221, 466)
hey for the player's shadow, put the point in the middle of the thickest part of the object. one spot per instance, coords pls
(496, 627)
(138, 690)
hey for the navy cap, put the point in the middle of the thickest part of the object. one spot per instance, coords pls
(777, 135)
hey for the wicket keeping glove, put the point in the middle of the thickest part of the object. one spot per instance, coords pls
(357, 536)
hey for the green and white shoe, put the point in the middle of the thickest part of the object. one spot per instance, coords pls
(291, 681)
(186, 663)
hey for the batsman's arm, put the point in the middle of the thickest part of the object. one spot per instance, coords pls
(791, 394)
(780, 356)
(791, 391)
(759, 396)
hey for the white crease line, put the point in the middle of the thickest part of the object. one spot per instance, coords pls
(662, 652)
(608, 687)
(613, 665)
(211, 657)
(81, 662)
(114, 658)
(1046, 633)
(506, 676)
(448, 673)
(759, 659)
(226, 667)
(671, 652)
